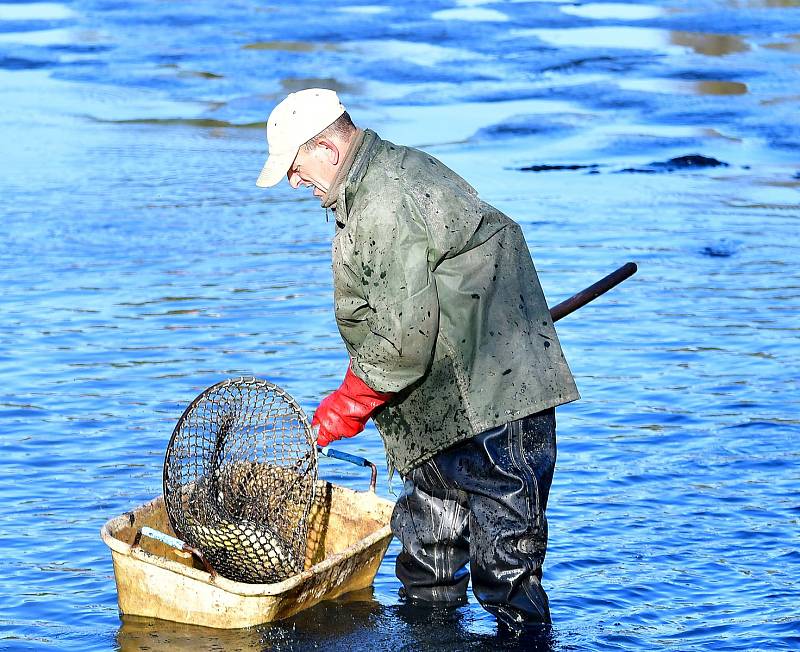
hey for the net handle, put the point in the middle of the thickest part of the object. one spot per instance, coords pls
(353, 459)
(182, 546)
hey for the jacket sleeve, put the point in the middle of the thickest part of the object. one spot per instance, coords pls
(402, 313)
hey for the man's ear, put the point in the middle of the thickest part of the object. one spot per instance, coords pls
(332, 153)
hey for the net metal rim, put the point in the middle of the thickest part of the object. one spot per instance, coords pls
(251, 383)
(246, 380)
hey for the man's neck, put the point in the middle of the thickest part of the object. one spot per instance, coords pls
(347, 155)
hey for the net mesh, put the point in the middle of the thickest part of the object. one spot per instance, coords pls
(239, 480)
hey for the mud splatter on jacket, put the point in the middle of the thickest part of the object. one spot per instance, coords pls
(437, 299)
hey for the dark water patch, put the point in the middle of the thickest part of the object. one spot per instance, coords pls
(688, 162)
(782, 135)
(603, 58)
(181, 72)
(701, 115)
(598, 96)
(721, 249)
(635, 145)
(713, 74)
(604, 63)
(591, 95)
(407, 72)
(169, 19)
(768, 424)
(185, 122)
(679, 163)
(18, 63)
(80, 49)
(531, 125)
(551, 168)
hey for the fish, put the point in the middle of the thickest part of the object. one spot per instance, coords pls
(249, 520)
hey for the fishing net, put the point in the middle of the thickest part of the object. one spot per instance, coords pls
(239, 480)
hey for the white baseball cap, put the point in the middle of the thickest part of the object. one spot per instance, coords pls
(296, 120)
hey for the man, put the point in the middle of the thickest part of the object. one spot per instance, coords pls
(452, 353)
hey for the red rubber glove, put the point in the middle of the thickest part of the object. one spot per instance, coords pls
(345, 412)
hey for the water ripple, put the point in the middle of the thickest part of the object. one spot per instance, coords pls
(139, 265)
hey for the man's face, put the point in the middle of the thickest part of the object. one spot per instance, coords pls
(313, 169)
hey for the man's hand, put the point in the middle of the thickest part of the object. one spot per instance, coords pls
(345, 412)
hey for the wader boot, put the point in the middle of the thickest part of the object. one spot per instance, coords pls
(481, 501)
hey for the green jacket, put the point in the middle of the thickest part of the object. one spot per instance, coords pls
(437, 299)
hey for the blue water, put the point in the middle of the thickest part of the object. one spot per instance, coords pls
(139, 264)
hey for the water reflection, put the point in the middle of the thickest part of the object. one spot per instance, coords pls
(331, 621)
(786, 46)
(452, 628)
(711, 45)
(780, 100)
(291, 84)
(180, 72)
(289, 46)
(640, 38)
(607, 10)
(753, 4)
(684, 86)
(353, 621)
(137, 634)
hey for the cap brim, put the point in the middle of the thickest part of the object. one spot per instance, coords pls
(274, 170)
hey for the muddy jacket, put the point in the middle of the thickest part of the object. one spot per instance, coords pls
(437, 299)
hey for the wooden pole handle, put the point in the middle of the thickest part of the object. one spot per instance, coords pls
(583, 297)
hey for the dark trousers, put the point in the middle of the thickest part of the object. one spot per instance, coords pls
(481, 501)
